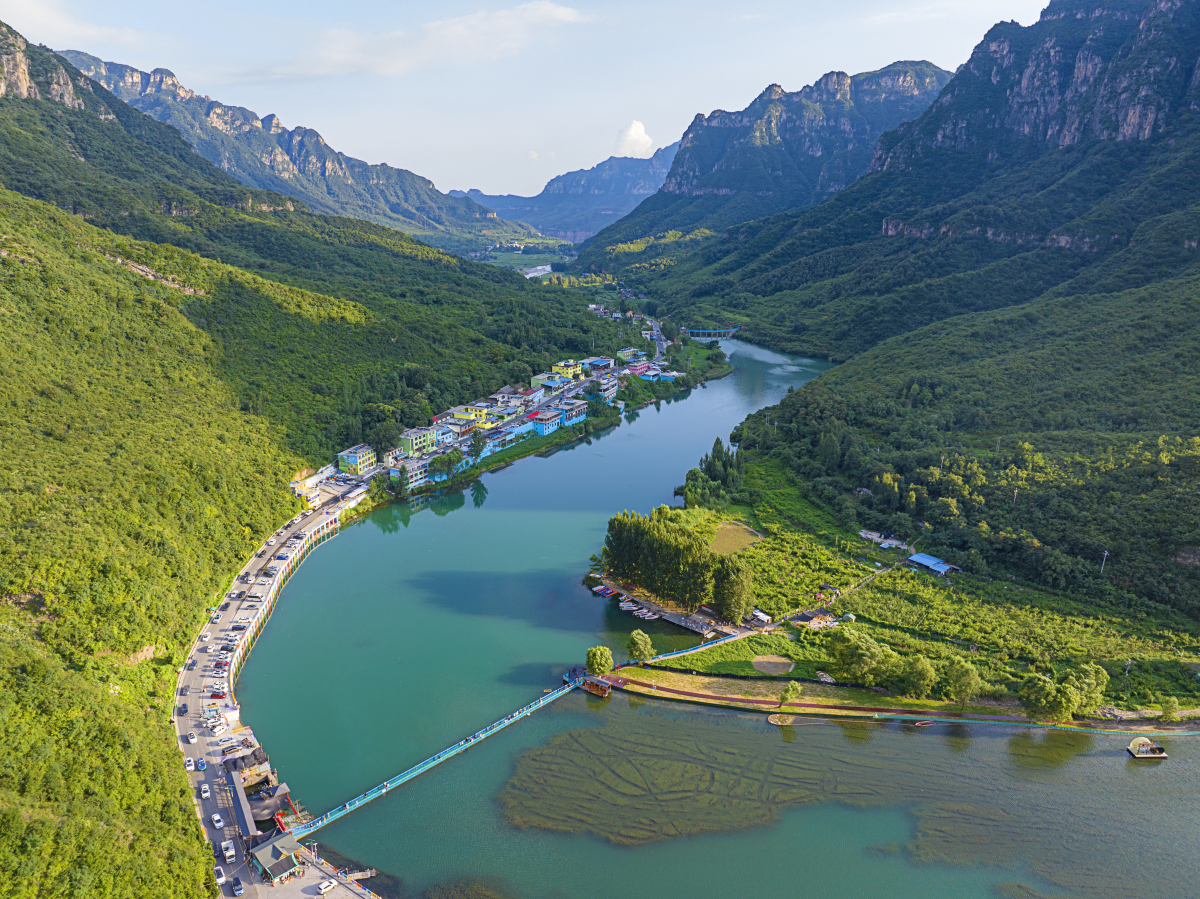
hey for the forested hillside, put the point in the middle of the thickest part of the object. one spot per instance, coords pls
(163, 378)
(298, 163)
(1015, 289)
(784, 151)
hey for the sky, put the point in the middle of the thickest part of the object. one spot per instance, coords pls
(504, 95)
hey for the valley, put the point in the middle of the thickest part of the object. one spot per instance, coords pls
(965, 309)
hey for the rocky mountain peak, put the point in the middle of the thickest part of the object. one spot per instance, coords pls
(1081, 72)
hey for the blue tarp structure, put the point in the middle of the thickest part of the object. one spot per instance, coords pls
(932, 563)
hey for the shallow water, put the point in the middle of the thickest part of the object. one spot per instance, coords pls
(418, 627)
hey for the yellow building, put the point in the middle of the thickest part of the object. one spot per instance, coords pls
(568, 368)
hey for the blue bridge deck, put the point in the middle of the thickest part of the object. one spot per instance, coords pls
(316, 824)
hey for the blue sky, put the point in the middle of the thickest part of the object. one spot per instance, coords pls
(504, 95)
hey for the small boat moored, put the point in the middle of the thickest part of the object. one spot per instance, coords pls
(1145, 748)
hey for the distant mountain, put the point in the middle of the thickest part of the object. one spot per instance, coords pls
(784, 151)
(262, 153)
(576, 205)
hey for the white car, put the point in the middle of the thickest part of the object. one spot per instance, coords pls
(220, 872)
(218, 822)
(224, 741)
(219, 729)
(205, 637)
(326, 886)
(189, 765)
(216, 617)
(272, 541)
(205, 792)
(191, 737)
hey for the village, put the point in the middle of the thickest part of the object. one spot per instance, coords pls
(463, 436)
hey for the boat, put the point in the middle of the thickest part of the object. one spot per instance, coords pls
(1145, 748)
(650, 616)
(924, 723)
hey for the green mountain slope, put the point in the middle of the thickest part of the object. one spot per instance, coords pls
(784, 151)
(576, 205)
(158, 397)
(1014, 287)
(262, 153)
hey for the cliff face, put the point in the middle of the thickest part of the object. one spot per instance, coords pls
(576, 205)
(797, 148)
(785, 151)
(263, 153)
(1084, 71)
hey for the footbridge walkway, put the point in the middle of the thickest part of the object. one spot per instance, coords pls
(711, 333)
(316, 824)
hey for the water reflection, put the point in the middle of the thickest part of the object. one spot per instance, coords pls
(479, 493)
(958, 737)
(1037, 749)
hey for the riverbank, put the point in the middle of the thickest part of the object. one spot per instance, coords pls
(764, 698)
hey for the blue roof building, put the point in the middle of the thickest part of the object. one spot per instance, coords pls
(932, 563)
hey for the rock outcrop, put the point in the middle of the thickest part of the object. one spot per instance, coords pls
(1084, 71)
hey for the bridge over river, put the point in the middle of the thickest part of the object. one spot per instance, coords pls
(711, 333)
(357, 802)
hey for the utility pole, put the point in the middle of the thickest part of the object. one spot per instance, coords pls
(1014, 497)
(1102, 561)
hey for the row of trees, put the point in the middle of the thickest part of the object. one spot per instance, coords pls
(716, 481)
(859, 658)
(674, 563)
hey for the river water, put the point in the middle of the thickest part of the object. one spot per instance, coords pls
(419, 626)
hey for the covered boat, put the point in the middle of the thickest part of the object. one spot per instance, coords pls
(1145, 748)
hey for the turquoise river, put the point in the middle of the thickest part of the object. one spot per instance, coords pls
(417, 627)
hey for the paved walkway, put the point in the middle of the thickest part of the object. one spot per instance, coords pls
(618, 681)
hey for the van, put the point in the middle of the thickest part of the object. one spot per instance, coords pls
(229, 851)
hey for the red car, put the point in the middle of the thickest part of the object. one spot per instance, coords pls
(221, 665)
(216, 695)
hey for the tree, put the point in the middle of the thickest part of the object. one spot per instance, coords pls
(963, 681)
(859, 658)
(640, 647)
(400, 485)
(1089, 684)
(1041, 697)
(791, 692)
(446, 464)
(478, 444)
(378, 491)
(1170, 709)
(918, 676)
(599, 660)
(732, 590)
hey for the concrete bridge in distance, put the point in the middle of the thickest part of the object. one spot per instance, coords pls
(709, 334)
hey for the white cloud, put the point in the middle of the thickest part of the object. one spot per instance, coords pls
(533, 154)
(49, 22)
(480, 36)
(632, 140)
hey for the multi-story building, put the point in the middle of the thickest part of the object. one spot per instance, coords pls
(639, 368)
(414, 472)
(547, 421)
(539, 380)
(609, 386)
(534, 395)
(597, 363)
(630, 354)
(357, 459)
(572, 411)
(568, 368)
(393, 455)
(417, 441)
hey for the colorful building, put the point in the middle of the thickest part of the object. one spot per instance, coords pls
(539, 380)
(572, 412)
(568, 368)
(630, 354)
(357, 459)
(639, 368)
(414, 472)
(418, 441)
(608, 387)
(547, 421)
(597, 363)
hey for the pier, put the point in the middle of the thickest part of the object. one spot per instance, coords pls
(316, 824)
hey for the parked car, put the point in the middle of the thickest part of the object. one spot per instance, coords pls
(220, 872)
(325, 886)
(205, 792)
(189, 765)
(224, 741)
(240, 627)
(218, 822)
(237, 886)
(201, 764)
(219, 729)
(191, 737)
(216, 696)
(183, 710)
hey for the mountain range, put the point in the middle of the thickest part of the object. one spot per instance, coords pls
(576, 205)
(297, 162)
(786, 150)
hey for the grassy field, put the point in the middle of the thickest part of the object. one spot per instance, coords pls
(732, 537)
